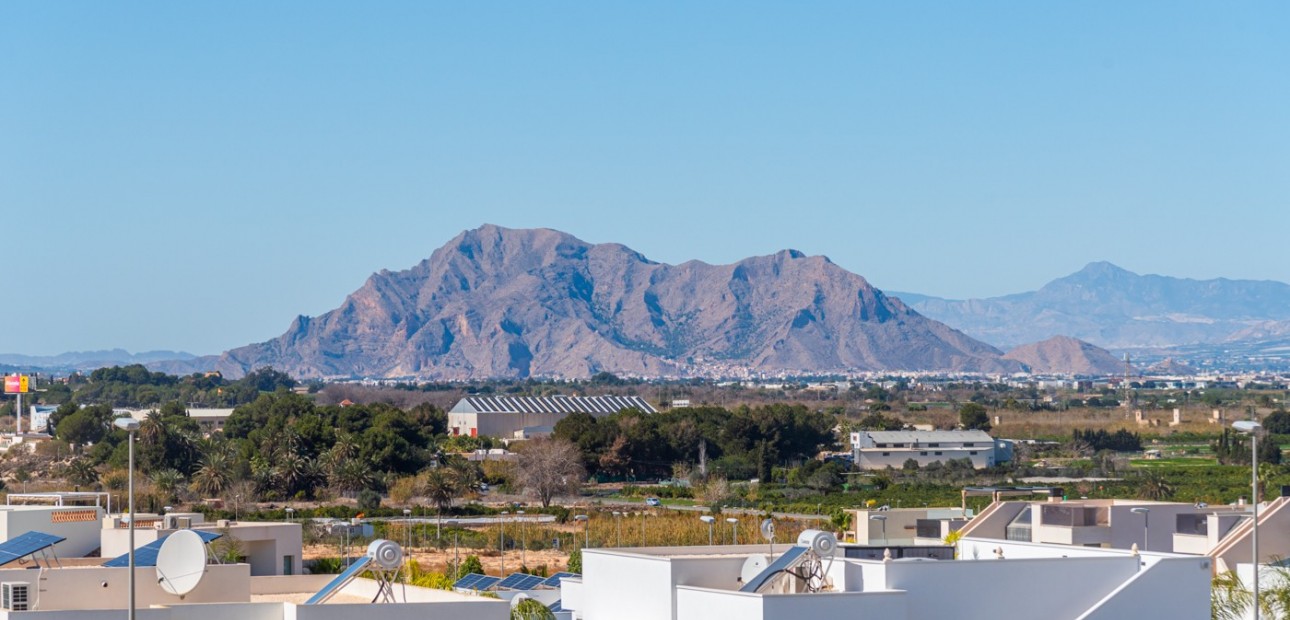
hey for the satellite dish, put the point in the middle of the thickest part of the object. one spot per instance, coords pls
(768, 530)
(386, 553)
(181, 562)
(753, 566)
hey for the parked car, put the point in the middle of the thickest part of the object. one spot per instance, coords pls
(653, 501)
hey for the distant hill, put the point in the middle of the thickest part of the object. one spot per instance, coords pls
(496, 302)
(89, 360)
(1065, 355)
(1115, 308)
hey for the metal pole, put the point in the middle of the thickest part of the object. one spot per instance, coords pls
(131, 439)
(1254, 537)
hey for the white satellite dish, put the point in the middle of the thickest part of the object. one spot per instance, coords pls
(768, 530)
(181, 562)
(753, 566)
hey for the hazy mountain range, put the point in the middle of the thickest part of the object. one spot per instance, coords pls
(1118, 309)
(497, 302)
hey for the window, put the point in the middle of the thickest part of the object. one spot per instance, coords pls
(968, 444)
(938, 453)
(933, 445)
(973, 453)
(922, 454)
(288, 563)
(886, 454)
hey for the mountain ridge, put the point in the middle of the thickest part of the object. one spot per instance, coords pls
(1115, 308)
(498, 302)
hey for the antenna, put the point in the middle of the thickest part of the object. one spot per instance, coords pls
(181, 562)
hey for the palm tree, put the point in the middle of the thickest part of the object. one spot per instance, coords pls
(214, 475)
(81, 472)
(1153, 486)
(168, 481)
(351, 476)
(440, 486)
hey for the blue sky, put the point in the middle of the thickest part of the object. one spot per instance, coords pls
(192, 176)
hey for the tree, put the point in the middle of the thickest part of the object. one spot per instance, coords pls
(439, 486)
(1153, 486)
(974, 417)
(531, 609)
(549, 467)
(1277, 422)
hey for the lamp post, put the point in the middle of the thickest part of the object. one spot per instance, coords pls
(130, 425)
(734, 530)
(501, 544)
(643, 515)
(291, 512)
(524, 538)
(1146, 522)
(618, 518)
(1252, 428)
(883, 520)
(586, 536)
(711, 521)
(407, 527)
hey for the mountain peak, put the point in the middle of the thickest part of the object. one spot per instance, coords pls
(1102, 270)
(500, 302)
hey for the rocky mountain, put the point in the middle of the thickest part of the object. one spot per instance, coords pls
(496, 302)
(1065, 355)
(1115, 308)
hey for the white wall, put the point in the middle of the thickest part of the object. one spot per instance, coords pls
(99, 588)
(707, 604)
(1015, 589)
(82, 536)
(625, 586)
(490, 610)
(1175, 588)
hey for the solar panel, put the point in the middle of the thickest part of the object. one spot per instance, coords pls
(467, 581)
(147, 554)
(24, 545)
(784, 562)
(557, 606)
(339, 582)
(520, 581)
(554, 580)
(475, 581)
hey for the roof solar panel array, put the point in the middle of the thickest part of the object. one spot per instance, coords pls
(557, 606)
(603, 405)
(520, 581)
(554, 580)
(24, 545)
(476, 581)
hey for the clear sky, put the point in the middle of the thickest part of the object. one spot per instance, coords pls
(191, 176)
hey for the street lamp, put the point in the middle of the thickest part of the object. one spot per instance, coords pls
(883, 520)
(1252, 428)
(586, 536)
(501, 544)
(711, 521)
(1146, 522)
(524, 538)
(734, 530)
(407, 527)
(618, 518)
(130, 425)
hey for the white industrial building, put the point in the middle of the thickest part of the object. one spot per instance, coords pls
(883, 449)
(522, 417)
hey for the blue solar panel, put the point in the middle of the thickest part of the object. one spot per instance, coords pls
(339, 582)
(147, 554)
(24, 545)
(554, 580)
(520, 581)
(467, 581)
(484, 582)
(556, 606)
